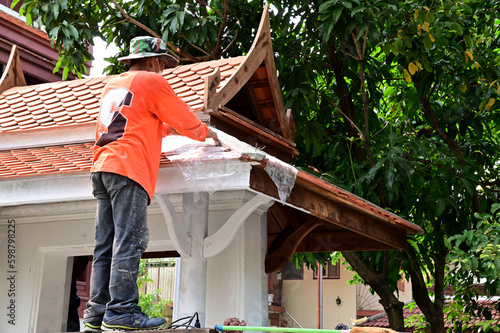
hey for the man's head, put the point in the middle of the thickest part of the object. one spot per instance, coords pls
(149, 51)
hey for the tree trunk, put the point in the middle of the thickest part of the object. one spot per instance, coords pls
(392, 306)
(433, 311)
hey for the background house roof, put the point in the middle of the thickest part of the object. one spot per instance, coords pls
(37, 55)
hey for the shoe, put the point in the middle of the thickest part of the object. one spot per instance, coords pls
(131, 321)
(93, 327)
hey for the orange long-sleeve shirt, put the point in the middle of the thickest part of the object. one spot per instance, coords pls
(135, 106)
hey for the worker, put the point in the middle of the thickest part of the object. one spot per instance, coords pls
(138, 108)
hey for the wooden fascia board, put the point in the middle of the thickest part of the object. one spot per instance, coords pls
(330, 211)
(260, 51)
(343, 197)
(13, 75)
(236, 82)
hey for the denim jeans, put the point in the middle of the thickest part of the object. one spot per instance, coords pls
(121, 236)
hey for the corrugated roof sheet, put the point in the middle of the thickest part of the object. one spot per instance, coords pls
(77, 102)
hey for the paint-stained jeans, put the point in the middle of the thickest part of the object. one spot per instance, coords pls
(121, 236)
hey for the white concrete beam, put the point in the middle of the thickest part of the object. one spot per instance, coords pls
(228, 175)
(48, 137)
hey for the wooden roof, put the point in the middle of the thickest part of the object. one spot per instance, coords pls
(239, 96)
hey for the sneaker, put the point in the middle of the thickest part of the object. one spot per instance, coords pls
(131, 321)
(93, 327)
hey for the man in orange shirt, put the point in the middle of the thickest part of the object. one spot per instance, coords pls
(137, 109)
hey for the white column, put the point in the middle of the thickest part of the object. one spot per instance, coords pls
(253, 295)
(193, 269)
(237, 282)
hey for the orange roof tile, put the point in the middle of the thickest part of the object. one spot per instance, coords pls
(74, 102)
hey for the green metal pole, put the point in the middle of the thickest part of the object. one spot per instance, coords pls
(276, 329)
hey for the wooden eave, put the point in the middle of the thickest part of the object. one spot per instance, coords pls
(256, 84)
(336, 220)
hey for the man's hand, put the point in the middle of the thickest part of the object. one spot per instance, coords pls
(213, 135)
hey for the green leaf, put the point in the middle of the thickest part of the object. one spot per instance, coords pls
(73, 32)
(65, 73)
(495, 207)
(427, 42)
(336, 14)
(14, 3)
(29, 20)
(327, 5)
(57, 66)
(180, 18)
(440, 205)
(357, 10)
(53, 32)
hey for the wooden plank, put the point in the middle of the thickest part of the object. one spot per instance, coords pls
(212, 81)
(329, 211)
(238, 80)
(258, 127)
(285, 248)
(330, 241)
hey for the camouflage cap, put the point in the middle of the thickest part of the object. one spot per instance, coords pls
(145, 46)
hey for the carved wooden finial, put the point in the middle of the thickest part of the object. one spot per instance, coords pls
(13, 75)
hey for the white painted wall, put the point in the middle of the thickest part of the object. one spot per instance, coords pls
(238, 271)
(300, 299)
(48, 236)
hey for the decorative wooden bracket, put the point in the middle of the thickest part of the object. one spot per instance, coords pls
(278, 257)
(216, 243)
(178, 235)
(13, 75)
(212, 81)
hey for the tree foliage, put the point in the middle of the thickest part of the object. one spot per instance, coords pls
(395, 101)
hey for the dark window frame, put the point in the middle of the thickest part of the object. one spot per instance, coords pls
(330, 272)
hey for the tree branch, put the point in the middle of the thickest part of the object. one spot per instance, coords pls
(345, 101)
(360, 58)
(455, 148)
(207, 5)
(217, 48)
(232, 42)
(388, 300)
(171, 46)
